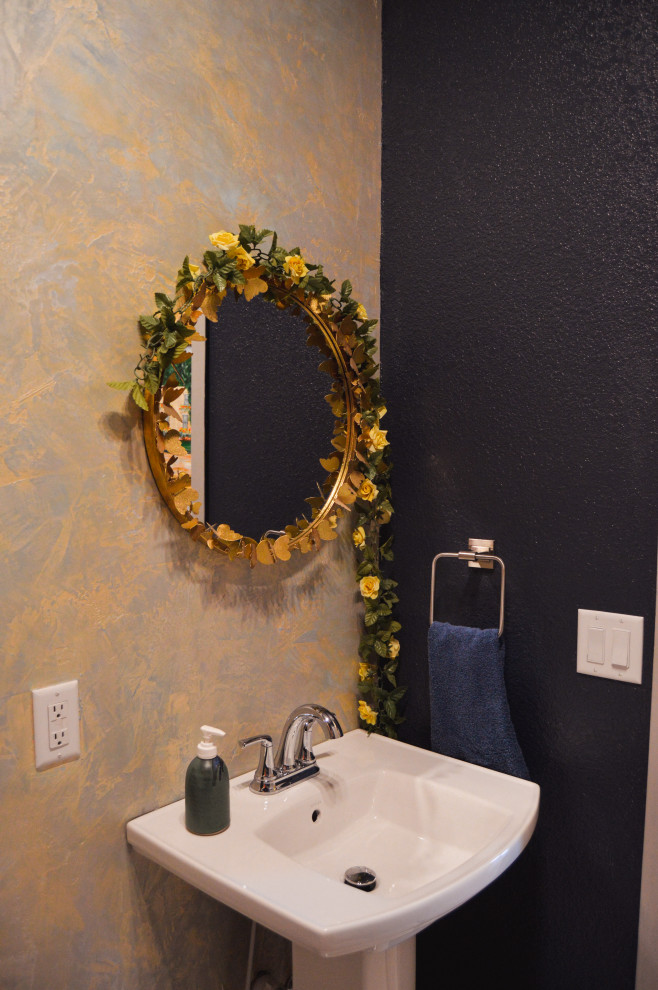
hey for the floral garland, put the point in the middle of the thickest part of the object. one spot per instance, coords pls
(240, 263)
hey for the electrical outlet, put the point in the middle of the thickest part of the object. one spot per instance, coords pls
(59, 736)
(56, 724)
(58, 711)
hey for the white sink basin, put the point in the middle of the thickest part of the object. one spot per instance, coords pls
(434, 830)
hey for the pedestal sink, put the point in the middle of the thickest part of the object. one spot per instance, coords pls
(434, 831)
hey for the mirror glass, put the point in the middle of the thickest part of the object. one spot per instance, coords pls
(247, 407)
(266, 419)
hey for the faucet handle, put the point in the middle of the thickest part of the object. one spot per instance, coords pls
(265, 774)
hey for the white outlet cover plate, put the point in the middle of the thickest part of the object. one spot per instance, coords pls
(634, 624)
(42, 701)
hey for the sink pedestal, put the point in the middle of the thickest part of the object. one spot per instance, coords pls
(392, 969)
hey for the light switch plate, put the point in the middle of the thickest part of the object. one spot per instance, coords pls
(614, 625)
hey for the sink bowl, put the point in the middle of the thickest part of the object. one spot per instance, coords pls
(435, 831)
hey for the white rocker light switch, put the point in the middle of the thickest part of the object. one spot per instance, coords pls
(610, 645)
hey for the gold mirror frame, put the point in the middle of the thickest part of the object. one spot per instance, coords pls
(304, 534)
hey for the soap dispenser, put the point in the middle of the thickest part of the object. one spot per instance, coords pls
(206, 787)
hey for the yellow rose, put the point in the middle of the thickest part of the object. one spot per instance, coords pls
(369, 586)
(224, 240)
(377, 439)
(243, 259)
(366, 714)
(365, 671)
(361, 312)
(393, 647)
(359, 538)
(381, 412)
(295, 267)
(367, 491)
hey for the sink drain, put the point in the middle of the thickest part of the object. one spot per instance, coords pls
(360, 877)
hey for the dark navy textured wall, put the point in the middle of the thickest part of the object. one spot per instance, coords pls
(519, 309)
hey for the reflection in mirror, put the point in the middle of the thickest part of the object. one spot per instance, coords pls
(253, 421)
(267, 421)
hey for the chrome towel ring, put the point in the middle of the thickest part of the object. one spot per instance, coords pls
(477, 555)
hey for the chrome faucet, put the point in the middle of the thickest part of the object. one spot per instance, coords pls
(295, 759)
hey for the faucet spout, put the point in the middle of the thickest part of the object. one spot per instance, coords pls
(295, 760)
(294, 746)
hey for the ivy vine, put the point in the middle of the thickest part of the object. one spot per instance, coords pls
(243, 264)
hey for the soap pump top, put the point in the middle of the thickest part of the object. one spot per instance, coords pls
(207, 749)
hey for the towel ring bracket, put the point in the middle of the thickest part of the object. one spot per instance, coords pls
(475, 558)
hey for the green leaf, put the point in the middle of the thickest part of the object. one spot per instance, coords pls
(148, 323)
(152, 376)
(163, 301)
(121, 386)
(381, 648)
(346, 289)
(138, 396)
(181, 348)
(219, 280)
(386, 545)
(184, 274)
(213, 258)
(247, 234)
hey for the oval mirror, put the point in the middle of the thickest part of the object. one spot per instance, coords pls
(251, 434)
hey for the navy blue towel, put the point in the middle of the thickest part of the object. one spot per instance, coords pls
(470, 718)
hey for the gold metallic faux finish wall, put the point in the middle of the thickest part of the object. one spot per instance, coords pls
(128, 132)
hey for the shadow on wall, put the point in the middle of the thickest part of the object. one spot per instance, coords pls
(162, 898)
(268, 590)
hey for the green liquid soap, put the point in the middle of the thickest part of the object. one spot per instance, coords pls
(207, 798)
